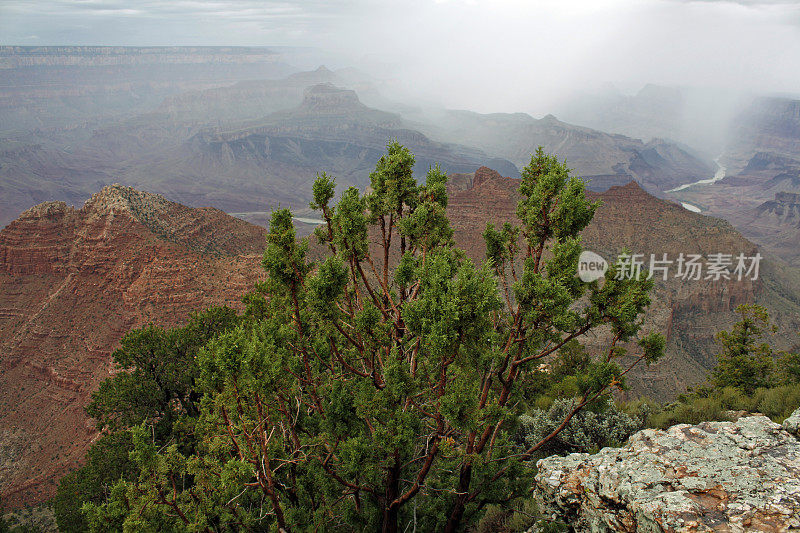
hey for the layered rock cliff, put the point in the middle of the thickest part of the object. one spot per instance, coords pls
(766, 125)
(690, 312)
(785, 207)
(72, 282)
(716, 476)
(776, 224)
(607, 159)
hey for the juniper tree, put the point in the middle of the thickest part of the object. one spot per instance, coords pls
(156, 371)
(4, 527)
(154, 384)
(746, 359)
(380, 387)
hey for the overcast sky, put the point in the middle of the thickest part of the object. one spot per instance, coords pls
(488, 55)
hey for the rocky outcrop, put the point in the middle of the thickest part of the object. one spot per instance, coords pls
(326, 98)
(484, 174)
(716, 476)
(331, 130)
(254, 98)
(768, 161)
(775, 224)
(792, 424)
(72, 282)
(465, 182)
(785, 208)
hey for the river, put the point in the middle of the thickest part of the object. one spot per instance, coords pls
(717, 176)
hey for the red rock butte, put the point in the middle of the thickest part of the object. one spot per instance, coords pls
(72, 283)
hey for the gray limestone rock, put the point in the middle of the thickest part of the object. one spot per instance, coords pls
(715, 476)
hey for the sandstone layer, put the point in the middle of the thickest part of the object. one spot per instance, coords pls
(72, 282)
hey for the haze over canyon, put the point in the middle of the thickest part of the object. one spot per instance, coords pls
(137, 183)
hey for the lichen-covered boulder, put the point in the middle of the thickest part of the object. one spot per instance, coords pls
(792, 424)
(717, 476)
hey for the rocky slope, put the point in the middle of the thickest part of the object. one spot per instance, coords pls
(689, 312)
(244, 167)
(72, 282)
(605, 159)
(716, 476)
(775, 224)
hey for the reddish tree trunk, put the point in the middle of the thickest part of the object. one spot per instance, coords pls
(460, 504)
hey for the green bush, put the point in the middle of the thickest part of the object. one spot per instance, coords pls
(107, 462)
(693, 412)
(154, 385)
(520, 516)
(788, 368)
(778, 403)
(718, 404)
(588, 431)
(4, 527)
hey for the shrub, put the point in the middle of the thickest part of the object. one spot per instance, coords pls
(717, 404)
(589, 430)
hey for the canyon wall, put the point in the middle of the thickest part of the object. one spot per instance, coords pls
(72, 283)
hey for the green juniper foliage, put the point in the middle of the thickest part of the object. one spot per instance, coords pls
(746, 359)
(380, 388)
(750, 376)
(107, 462)
(155, 385)
(4, 526)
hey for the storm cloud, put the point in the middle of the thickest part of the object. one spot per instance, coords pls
(497, 55)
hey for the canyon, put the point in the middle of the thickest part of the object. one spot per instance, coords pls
(240, 130)
(246, 130)
(754, 138)
(688, 312)
(74, 280)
